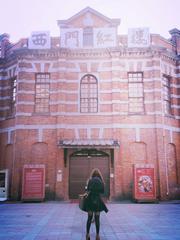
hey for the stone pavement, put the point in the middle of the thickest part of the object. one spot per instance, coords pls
(65, 221)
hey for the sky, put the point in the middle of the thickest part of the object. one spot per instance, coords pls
(19, 18)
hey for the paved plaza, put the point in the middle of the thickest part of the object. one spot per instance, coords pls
(65, 221)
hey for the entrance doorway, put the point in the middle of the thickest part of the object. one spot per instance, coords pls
(80, 167)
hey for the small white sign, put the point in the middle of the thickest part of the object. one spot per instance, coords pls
(39, 40)
(71, 37)
(104, 37)
(111, 175)
(138, 37)
(59, 176)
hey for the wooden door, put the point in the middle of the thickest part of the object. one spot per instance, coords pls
(80, 170)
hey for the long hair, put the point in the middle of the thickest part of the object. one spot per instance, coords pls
(96, 173)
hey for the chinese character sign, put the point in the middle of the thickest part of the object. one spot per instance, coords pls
(104, 37)
(71, 38)
(144, 182)
(39, 40)
(138, 37)
(33, 182)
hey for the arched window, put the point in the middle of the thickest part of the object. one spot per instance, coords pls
(89, 94)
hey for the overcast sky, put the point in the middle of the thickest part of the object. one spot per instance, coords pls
(19, 18)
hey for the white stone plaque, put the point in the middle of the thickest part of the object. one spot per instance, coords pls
(88, 20)
(39, 40)
(71, 37)
(138, 37)
(104, 37)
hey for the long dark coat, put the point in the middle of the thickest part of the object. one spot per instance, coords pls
(94, 202)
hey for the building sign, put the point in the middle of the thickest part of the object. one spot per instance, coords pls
(138, 37)
(144, 182)
(33, 183)
(71, 37)
(104, 37)
(39, 40)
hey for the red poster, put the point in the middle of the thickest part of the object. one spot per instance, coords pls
(33, 184)
(144, 182)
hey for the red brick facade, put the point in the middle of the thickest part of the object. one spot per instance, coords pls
(148, 136)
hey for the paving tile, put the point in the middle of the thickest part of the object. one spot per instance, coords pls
(65, 221)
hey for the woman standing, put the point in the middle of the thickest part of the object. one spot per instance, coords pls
(94, 203)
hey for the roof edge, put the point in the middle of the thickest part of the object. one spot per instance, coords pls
(116, 21)
(89, 143)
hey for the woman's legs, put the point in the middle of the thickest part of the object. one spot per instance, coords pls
(88, 224)
(97, 222)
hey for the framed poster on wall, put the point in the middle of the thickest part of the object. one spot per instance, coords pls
(33, 182)
(144, 182)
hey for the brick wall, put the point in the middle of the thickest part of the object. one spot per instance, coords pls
(27, 137)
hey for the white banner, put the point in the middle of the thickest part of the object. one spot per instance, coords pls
(104, 37)
(71, 37)
(138, 37)
(39, 40)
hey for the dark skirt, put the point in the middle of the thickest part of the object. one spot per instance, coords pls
(94, 203)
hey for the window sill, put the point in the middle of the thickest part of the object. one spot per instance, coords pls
(169, 115)
(139, 113)
(41, 114)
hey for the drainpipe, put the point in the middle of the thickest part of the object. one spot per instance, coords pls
(165, 158)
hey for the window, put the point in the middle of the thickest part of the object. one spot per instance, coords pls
(14, 90)
(166, 95)
(136, 97)
(42, 93)
(13, 95)
(89, 94)
(88, 37)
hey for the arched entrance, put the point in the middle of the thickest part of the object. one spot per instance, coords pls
(81, 164)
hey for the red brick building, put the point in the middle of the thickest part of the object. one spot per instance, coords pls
(91, 98)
